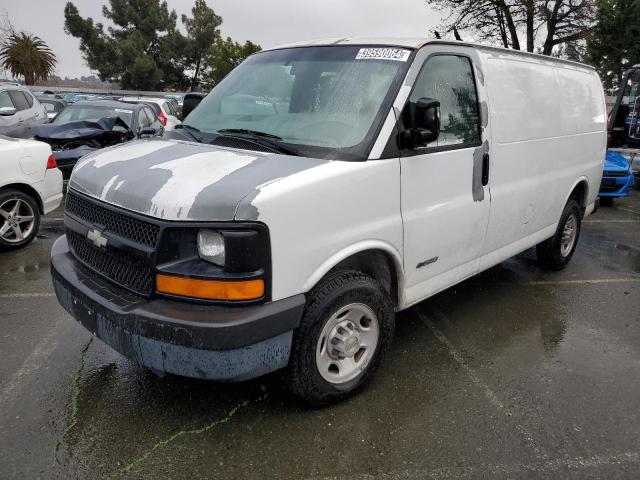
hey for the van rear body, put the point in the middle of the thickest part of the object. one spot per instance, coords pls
(289, 218)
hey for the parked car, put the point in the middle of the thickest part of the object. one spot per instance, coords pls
(617, 178)
(52, 105)
(87, 126)
(30, 186)
(19, 111)
(191, 101)
(316, 191)
(164, 109)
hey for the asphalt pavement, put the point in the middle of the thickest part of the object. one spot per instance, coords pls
(515, 373)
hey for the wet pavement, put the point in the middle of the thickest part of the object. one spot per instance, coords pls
(516, 373)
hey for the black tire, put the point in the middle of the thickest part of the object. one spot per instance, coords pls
(334, 292)
(8, 196)
(550, 252)
(606, 201)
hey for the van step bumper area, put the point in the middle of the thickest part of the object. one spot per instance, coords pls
(187, 339)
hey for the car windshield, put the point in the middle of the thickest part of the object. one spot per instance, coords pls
(92, 113)
(324, 102)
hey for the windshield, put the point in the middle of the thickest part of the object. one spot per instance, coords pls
(92, 113)
(324, 102)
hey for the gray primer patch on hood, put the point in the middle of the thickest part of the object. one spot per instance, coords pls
(476, 188)
(181, 180)
(134, 183)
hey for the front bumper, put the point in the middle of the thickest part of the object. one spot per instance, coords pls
(617, 186)
(187, 339)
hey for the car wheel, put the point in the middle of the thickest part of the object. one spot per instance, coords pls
(606, 201)
(346, 328)
(19, 219)
(555, 253)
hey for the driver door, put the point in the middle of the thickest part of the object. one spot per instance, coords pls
(444, 200)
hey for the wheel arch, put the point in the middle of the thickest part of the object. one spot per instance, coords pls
(580, 192)
(27, 190)
(375, 258)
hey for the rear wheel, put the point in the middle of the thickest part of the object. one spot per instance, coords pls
(555, 253)
(19, 219)
(346, 328)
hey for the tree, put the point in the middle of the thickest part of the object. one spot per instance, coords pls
(554, 23)
(143, 48)
(203, 31)
(613, 45)
(27, 56)
(224, 56)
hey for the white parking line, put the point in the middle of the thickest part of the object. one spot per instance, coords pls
(611, 221)
(31, 364)
(475, 378)
(594, 281)
(515, 470)
(628, 210)
(27, 295)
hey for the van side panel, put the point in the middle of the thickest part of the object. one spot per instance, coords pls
(548, 131)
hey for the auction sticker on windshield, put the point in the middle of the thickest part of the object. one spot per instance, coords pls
(398, 54)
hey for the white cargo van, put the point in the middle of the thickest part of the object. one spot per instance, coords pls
(316, 191)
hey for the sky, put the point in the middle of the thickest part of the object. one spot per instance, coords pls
(266, 22)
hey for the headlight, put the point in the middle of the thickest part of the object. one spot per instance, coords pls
(211, 247)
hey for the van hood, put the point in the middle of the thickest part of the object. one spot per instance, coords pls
(176, 180)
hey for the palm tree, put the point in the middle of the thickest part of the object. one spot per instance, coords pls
(27, 56)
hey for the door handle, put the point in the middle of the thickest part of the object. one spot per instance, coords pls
(485, 169)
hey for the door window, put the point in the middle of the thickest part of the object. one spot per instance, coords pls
(143, 119)
(449, 79)
(29, 99)
(5, 100)
(19, 100)
(154, 121)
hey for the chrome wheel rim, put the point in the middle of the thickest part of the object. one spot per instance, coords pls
(17, 219)
(347, 343)
(569, 234)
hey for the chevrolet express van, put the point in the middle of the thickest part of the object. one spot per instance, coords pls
(316, 191)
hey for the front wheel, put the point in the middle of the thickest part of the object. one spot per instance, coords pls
(19, 219)
(555, 253)
(346, 328)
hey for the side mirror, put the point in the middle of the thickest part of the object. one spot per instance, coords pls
(424, 128)
(7, 111)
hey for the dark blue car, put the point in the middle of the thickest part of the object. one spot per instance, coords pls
(617, 178)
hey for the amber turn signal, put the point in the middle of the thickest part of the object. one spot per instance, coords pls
(210, 289)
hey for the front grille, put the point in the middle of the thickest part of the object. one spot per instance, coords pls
(614, 174)
(114, 265)
(609, 185)
(137, 231)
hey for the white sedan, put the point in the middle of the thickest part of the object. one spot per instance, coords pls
(30, 186)
(164, 109)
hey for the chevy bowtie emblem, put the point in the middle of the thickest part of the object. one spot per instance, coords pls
(97, 238)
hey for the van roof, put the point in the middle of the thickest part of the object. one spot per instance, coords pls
(415, 43)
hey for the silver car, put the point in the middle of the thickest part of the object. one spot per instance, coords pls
(19, 109)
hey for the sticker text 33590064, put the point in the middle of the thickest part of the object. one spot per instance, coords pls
(397, 54)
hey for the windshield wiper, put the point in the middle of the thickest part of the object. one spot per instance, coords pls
(245, 131)
(190, 130)
(260, 138)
